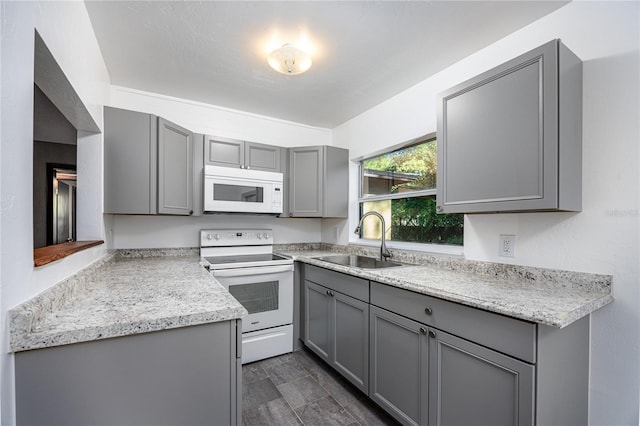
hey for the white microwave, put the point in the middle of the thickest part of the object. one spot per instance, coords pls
(230, 190)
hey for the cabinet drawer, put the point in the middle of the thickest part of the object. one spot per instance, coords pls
(345, 284)
(507, 335)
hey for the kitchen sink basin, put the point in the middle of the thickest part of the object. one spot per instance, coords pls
(356, 261)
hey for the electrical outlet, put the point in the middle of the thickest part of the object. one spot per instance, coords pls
(507, 246)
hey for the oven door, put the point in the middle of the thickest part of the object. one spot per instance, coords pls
(266, 292)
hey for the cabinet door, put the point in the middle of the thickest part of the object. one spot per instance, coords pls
(317, 316)
(258, 156)
(130, 155)
(224, 152)
(305, 181)
(399, 366)
(140, 380)
(350, 349)
(498, 137)
(470, 384)
(175, 169)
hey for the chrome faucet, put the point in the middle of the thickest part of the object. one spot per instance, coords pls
(384, 252)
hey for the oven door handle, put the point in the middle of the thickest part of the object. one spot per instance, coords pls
(260, 270)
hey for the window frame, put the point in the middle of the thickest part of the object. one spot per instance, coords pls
(406, 245)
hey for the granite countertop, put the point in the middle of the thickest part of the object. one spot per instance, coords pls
(119, 297)
(543, 296)
(139, 291)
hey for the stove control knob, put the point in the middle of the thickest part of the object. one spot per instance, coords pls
(209, 237)
(265, 236)
(217, 236)
(259, 235)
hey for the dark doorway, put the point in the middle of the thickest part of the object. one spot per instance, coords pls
(61, 203)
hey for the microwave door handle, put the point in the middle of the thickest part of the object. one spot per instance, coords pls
(261, 270)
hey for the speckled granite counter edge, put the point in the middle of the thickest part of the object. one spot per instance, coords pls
(539, 317)
(156, 252)
(599, 284)
(578, 280)
(87, 334)
(23, 317)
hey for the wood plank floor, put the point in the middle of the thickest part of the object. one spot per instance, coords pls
(300, 389)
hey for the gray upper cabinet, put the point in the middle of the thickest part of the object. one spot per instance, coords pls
(259, 156)
(219, 151)
(148, 164)
(227, 152)
(318, 181)
(510, 139)
(175, 169)
(198, 173)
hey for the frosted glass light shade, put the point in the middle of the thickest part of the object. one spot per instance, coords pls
(290, 60)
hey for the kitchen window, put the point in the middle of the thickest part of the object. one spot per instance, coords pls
(401, 186)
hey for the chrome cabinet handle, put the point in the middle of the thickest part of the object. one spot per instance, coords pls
(432, 333)
(423, 330)
(428, 310)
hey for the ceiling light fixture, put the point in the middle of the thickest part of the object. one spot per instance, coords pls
(288, 59)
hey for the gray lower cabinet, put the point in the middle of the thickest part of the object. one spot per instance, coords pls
(318, 181)
(148, 164)
(473, 385)
(510, 139)
(440, 379)
(350, 351)
(226, 152)
(483, 368)
(317, 319)
(399, 370)
(433, 362)
(337, 330)
(190, 375)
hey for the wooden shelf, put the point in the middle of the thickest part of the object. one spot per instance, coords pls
(45, 255)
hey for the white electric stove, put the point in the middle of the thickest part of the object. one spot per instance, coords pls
(242, 260)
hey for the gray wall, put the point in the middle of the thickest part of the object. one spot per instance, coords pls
(49, 125)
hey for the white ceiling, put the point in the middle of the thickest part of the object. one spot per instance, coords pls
(365, 52)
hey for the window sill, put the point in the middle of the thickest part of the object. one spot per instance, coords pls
(45, 255)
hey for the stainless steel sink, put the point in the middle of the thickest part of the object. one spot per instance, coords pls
(356, 261)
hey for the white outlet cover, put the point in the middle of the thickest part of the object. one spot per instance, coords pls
(507, 247)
